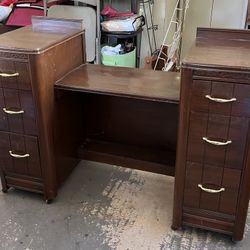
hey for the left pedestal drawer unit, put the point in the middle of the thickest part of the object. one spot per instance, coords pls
(30, 62)
(19, 151)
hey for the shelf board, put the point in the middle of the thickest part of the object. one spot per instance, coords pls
(123, 82)
(148, 159)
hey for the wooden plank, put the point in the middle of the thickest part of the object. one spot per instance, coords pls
(146, 159)
(229, 199)
(127, 82)
(223, 34)
(191, 191)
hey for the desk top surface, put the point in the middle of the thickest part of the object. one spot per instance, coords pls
(125, 82)
(42, 35)
(220, 48)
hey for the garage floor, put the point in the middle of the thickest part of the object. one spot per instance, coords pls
(102, 207)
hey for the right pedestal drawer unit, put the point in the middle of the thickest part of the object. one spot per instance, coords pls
(212, 170)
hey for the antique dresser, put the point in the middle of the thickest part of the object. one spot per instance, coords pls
(212, 178)
(31, 60)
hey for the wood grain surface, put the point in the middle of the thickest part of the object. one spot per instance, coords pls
(119, 81)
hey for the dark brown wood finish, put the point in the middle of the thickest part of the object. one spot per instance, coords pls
(126, 115)
(68, 132)
(225, 202)
(182, 139)
(7, 28)
(219, 128)
(14, 100)
(211, 181)
(22, 81)
(34, 60)
(44, 96)
(124, 82)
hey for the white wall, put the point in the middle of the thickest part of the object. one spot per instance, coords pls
(201, 13)
(229, 13)
(162, 12)
(198, 15)
(214, 14)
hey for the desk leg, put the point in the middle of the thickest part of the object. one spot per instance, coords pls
(3, 181)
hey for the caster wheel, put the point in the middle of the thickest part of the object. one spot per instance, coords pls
(5, 191)
(48, 201)
(174, 227)
(234, 241)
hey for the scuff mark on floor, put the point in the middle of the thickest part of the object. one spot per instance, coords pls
(103, 207)
(134, 215)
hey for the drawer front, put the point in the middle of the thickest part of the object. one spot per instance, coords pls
(211, 188)
(14, 75)
(20, 155)
(22, 183)
(17, 112)
(205, 130)
(221, 98)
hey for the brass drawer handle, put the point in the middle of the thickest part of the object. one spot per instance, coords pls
(212, 191)
(17, 155)
(9, 75)
(11, 112)
(220, 100)
(216, 143)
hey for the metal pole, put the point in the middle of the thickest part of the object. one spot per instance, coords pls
(168, 29)
(45, 5)
(152, 23)
(146, 22)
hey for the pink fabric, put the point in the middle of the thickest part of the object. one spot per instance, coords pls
(110, 12)
(22, 16)
(27, 1)
(7, 2)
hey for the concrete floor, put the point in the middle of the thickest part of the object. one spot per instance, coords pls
(102, 207)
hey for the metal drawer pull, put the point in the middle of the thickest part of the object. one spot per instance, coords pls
(9, 75)
(11, 112)
(18, 156)
(216, 143)
(208, 190)
(220, 100)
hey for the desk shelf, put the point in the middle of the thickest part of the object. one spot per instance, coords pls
(125, 117)
(149, 159)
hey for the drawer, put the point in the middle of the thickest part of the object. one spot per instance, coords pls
(21, 182)
(211, 188)
(207, 129)
(17, 112)
(217, 225)
(14, 75)
(20, 155)
(221, 98)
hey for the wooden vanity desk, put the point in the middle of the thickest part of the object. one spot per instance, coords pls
(57, 110)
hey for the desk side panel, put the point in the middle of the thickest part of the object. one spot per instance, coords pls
(182, 139)
(46, 68)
